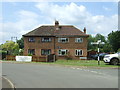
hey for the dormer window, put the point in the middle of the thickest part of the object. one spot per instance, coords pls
(31, 39)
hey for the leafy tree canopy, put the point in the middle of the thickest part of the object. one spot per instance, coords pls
(11, 47)
(114, 40)
(21, 43)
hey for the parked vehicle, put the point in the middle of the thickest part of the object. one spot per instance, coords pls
(101, 55)
(113, 59)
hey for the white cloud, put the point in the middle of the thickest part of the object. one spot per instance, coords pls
(59, 0)
(26, 21)
(27, 14)
(67, 14)
(107, 9)
(79, 16)
(73, 14)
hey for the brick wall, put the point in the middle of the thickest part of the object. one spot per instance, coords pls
(71, 46)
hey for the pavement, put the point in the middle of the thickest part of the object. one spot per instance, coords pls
(48, 76)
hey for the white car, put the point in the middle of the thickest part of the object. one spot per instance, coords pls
(113, 59)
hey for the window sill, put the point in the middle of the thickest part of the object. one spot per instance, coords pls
(64, 42)
(78, 42)
(62, 55)
(78, 56)
(31, 41)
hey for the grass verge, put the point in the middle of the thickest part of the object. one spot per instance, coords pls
(87, 63)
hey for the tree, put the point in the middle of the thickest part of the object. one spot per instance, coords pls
(21, 43)
(107, 48)
(114, 40)
(100, 37)
(3, 54)
(90, 46)
(95, 39)
(11, 47)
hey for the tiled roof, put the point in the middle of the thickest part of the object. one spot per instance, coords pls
(63, 30)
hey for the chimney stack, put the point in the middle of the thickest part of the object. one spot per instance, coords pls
(84, 30)
(56, 25)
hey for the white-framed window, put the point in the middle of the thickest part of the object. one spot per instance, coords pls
(45, 51)
(79, 40)
(63, 40)
(31, 51)
(46, 39)
(62, 52)
(31, 39)
(78, 52)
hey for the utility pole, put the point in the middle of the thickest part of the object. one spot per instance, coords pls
(14, 38)
(98, 44)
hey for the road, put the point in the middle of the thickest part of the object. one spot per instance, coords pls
(49, 76)
(6, 83)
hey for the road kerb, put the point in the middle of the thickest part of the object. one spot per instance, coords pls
(11, 84)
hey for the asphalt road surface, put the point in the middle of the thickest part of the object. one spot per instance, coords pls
(49, 76)
(5, 83)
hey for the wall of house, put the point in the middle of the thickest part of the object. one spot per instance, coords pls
(37, 45)
(71, 46)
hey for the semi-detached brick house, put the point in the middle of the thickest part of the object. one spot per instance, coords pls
(61, 40)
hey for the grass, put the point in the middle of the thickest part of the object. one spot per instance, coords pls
(87, 63)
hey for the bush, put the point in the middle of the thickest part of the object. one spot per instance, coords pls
(3, 54)
(118, 50)
(69, 58)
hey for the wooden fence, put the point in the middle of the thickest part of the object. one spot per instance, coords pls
(10, 57)
(39, 59)
(34, 58)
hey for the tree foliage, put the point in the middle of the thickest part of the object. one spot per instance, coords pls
(21, 43)
(95, 39)
(11, 47)
(91, 39)
(99, 37)
(103, 48)
(114, 40)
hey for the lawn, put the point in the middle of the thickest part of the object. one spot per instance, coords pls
(89, 63)
(86, 63)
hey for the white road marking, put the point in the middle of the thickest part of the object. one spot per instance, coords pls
(88, 70)
(11, 84)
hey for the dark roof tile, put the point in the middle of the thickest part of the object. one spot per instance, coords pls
(64, 30)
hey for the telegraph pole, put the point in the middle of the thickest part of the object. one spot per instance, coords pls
(98, 44)
(14, 38)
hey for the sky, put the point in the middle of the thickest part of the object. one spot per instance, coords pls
(18, 18)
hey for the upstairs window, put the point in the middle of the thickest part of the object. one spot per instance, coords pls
(78, 52)
(46, 39)
(79, 40)
(63, 52)
(45, 51)
(31, 39)
(31, 51)
(63, 40)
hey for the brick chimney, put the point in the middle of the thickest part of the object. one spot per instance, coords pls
(84, 29)
(56, 25)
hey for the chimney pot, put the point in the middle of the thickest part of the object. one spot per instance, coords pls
(56, 23)
(84, 29)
